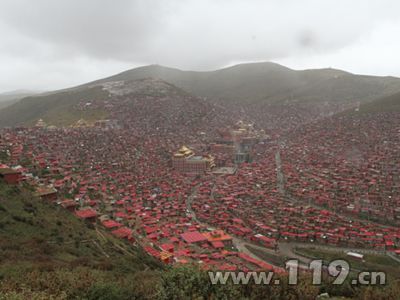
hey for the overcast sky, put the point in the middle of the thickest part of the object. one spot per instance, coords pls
(51, 44)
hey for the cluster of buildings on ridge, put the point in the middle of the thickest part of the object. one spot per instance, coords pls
(134, 193)
(235, 146)
(82, 123)
(157, 219)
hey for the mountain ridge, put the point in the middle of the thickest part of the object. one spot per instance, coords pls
(256, 84)
(252, 82)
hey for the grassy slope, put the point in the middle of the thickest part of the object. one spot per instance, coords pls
(270, 82)
(6, 103)
(55, 108)
(386, 104)
(373, 262)
(8, 99)
(46, 248)
(43, 255)
(260, 83)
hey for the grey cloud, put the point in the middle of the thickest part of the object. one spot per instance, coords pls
(100, 28)
(83, 39)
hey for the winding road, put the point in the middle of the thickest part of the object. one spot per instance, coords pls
(239, 243)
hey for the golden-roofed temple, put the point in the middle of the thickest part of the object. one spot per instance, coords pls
(210, 159)
(184, 160)
(184, 152)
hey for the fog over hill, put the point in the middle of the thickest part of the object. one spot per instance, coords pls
(270, 82)
(255, 88)
(9, 98)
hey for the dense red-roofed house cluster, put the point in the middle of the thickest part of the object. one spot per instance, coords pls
(348, 165)
(121, 175)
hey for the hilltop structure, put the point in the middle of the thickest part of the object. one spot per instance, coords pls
(40, 124)
(81, 123)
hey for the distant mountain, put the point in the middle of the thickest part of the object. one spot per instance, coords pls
(21, 92)
(271, 95)
(386, 104)
(9, 98)
(57, 107)
(270, 82)
(145, 104)
(258, 90)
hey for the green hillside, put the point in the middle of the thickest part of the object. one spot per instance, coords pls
(270, 82)
(47, 253)
(7, 99)
(386, 104)
(66, 107)
(45, 250)
(259, 84)
(54, 108)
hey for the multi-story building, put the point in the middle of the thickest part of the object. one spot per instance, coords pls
(184, 160)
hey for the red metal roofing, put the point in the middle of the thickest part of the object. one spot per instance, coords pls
(152, 251)
(111, 224)
(193, 237)
(217, 244)
(86, 213)
(167, 247)
(122, 232)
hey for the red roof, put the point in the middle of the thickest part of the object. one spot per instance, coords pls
(122, 232)
(167, 247)
(152, 251)
(254, 261)
(193, 237)
(68, 203)
(265, 239)
(121, 215)
(111, 224)
(86, 213)
(227, 267)
(150, 230)
(217, 244)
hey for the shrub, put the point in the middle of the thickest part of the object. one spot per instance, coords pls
(109, 292)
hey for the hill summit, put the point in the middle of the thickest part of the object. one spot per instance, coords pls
(253, 88)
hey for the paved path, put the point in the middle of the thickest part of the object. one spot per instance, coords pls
(287, 195)
(239, 244)
(335, 248)
(393, 256)
(286, 249)
(279, 174)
